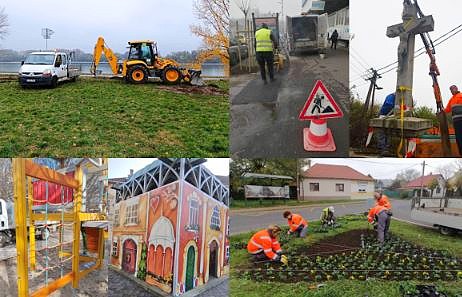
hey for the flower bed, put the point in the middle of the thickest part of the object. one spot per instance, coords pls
(356, 255)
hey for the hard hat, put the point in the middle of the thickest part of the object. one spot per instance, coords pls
(331, 208)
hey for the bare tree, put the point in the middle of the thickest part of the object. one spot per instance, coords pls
(6, 179)
(213, 29)
(3, 23)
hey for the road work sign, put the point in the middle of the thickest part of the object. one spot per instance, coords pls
(320, 105)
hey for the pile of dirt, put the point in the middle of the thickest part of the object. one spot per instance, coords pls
(350, 240)
(211, 90)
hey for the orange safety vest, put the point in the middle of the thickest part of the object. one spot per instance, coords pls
(296, 221)
(455, 105)
(383, 200)
(262, 241)
(375, 211)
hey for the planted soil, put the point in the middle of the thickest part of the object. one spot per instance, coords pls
(187, 89)
(343, 257)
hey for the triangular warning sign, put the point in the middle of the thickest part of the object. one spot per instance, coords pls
(320, 105)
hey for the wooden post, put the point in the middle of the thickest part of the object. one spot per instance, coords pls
(76, 243)
(20, 213)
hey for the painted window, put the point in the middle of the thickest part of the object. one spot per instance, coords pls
(438, 190)
(314, 187)
(215, 219)
(339, 187)
(131, 215)
(193, 212)
(115, 250)
(227, 252)
(116, 217)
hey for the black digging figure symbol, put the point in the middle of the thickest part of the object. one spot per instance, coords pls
(318, 105)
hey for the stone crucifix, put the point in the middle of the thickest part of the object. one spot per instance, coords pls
(411, 26)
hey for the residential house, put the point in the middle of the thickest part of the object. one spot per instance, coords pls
(433, 185)
(334, 182)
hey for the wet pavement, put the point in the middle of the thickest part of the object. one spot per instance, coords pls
(264, 118)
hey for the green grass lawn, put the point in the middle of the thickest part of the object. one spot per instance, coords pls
(240, 287)
(255, 203)
(112, 118)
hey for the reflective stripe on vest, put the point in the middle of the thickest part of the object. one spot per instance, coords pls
(263, 38)
(457, 112)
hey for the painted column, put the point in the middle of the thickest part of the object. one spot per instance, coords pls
(178, 229)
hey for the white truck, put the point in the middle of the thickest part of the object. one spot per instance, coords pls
(443, 213)
(47, 69)
(307, 33)
(8, 227)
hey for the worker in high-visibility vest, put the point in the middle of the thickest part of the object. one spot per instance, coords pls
(265, 42)
(297, 224)
(327, 217)
(455, 108)
(380, 216)
(264, 245)
(381, 199)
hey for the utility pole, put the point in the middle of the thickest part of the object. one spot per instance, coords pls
(421, 181)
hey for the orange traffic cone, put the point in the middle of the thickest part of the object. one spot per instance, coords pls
(318, 138)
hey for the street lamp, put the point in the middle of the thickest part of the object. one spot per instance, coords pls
(46, 34)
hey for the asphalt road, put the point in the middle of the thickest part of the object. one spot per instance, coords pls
(244, 221)
(264, 118)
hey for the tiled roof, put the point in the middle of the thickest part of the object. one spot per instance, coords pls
(426, 180)
(335, 172)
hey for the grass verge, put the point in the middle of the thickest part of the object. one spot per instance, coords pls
(112, 118)
(237, 204)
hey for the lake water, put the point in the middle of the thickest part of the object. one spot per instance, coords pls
(208, 69)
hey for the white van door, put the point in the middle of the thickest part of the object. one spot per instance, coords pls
(322, 30)
(61, 65)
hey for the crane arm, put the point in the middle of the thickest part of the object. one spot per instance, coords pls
(100, 48)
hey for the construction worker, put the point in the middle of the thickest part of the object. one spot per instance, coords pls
(264, 42)
(297, 225)
(327, 217)
(455, 107)
(380, 216)
(264, 245)
(383, 141)
(334, 39)
(381, 199)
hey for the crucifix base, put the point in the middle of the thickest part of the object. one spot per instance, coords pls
(413, 127)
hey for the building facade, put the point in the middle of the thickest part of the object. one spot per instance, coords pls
(335, 182)
(171, 226)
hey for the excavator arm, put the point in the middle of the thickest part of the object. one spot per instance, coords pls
(100, 48)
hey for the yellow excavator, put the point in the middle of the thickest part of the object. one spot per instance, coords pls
(143, 61)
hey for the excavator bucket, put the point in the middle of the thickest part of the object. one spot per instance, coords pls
(196, 79)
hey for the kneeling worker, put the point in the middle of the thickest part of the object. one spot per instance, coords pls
(327, 217)
(297, 225)
(380, 215)
(264, 245)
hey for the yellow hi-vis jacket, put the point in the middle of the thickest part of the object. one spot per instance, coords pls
(263, 38)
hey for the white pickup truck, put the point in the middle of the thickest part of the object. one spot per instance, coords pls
(46, 69)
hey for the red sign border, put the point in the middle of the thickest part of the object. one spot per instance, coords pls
(320, 84)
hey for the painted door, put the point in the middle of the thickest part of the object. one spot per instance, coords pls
(190, 268)
(213, 261)
(129, 256)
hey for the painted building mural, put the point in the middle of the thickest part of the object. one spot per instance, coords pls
(174, 236)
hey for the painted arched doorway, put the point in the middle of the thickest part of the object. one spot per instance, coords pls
(129, 256)
(213, 260)
(190, 263)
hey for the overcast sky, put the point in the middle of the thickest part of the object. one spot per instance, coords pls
(387, 168)
(78, 24)
(369, 21)
(120, 167)
(291, 7)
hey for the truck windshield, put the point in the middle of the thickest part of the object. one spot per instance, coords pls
(40, 59)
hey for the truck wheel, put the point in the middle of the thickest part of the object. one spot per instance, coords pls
(137, 75)
(54, 82)
(171, 75)
(44, 233)
(3, 239)
(446, 230)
